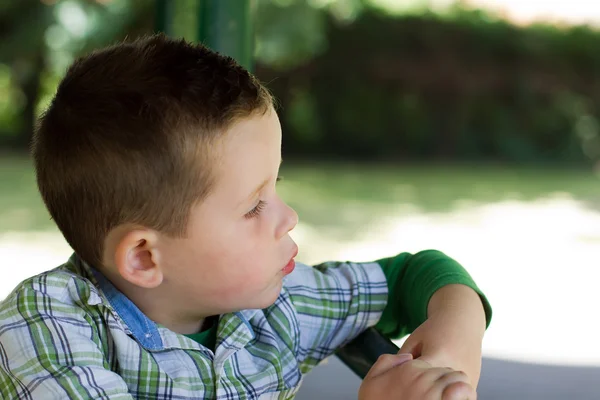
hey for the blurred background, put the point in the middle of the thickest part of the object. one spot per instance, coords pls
(471, 127)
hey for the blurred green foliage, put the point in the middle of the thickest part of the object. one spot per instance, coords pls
(39, 39)
(462, 85)
(353, 80)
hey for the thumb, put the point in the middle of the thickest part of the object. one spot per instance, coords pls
(386, 362)
(459, 391)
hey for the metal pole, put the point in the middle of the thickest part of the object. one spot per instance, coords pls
(226, 26)
(164, 13)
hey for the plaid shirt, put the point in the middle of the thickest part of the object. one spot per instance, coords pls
(69, 333)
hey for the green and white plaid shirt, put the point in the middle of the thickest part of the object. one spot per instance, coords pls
(69, 333)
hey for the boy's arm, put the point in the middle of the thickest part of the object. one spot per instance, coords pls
(333, 303)
(336, 301)
(50, 350)
(412, 280)
(433, 297)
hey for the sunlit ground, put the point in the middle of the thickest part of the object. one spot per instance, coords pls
(524, 12)
(573, 12)
(531, 239)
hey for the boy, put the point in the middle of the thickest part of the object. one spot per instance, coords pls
(158, 160)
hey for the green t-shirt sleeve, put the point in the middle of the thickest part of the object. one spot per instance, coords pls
(412, 279)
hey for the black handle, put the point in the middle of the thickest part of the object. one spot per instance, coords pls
(362, 352)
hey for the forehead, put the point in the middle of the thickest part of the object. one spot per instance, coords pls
(249, 153)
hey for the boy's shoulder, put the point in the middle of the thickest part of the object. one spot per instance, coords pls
(69, 284)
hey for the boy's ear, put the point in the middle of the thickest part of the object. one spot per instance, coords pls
(136, 258)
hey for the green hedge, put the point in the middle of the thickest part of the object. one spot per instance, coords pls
(465, 87)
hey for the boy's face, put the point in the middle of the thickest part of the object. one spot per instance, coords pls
(238, 246)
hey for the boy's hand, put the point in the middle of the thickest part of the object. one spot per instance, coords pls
(453, 333)
(400, 377)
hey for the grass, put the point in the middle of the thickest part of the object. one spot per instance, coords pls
(21, 207)
(341, 197)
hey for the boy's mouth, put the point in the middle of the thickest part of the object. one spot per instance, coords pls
(291, 264)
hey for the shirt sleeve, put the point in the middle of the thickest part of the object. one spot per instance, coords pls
(412, 280)
(50, 349)
(334, 302)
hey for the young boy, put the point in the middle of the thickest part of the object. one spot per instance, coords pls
(157, 160)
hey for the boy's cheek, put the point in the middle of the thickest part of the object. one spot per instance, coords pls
(250, 291)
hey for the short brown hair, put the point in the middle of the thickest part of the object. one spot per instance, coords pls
(126, 137)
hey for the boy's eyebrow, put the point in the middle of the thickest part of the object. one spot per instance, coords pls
(259, 188)
(257, 191)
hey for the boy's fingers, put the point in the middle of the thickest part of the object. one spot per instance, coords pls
(459, 390)
(453, 376)
(386, 362)
(409, 347)
(457, 386)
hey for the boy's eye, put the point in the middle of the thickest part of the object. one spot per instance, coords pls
(256, 210)
(260, 206)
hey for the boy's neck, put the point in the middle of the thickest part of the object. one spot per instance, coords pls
(160, 307)
(184, 328)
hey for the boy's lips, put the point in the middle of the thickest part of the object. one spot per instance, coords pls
(291, 264)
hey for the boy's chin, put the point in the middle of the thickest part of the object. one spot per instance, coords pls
(268, 299)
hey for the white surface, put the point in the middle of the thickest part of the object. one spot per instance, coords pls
(538, 263)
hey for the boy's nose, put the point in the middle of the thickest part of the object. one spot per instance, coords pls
(289, 222)
(293, 218)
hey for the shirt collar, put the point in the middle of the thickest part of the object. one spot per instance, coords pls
(134, 320)
(142, 328)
